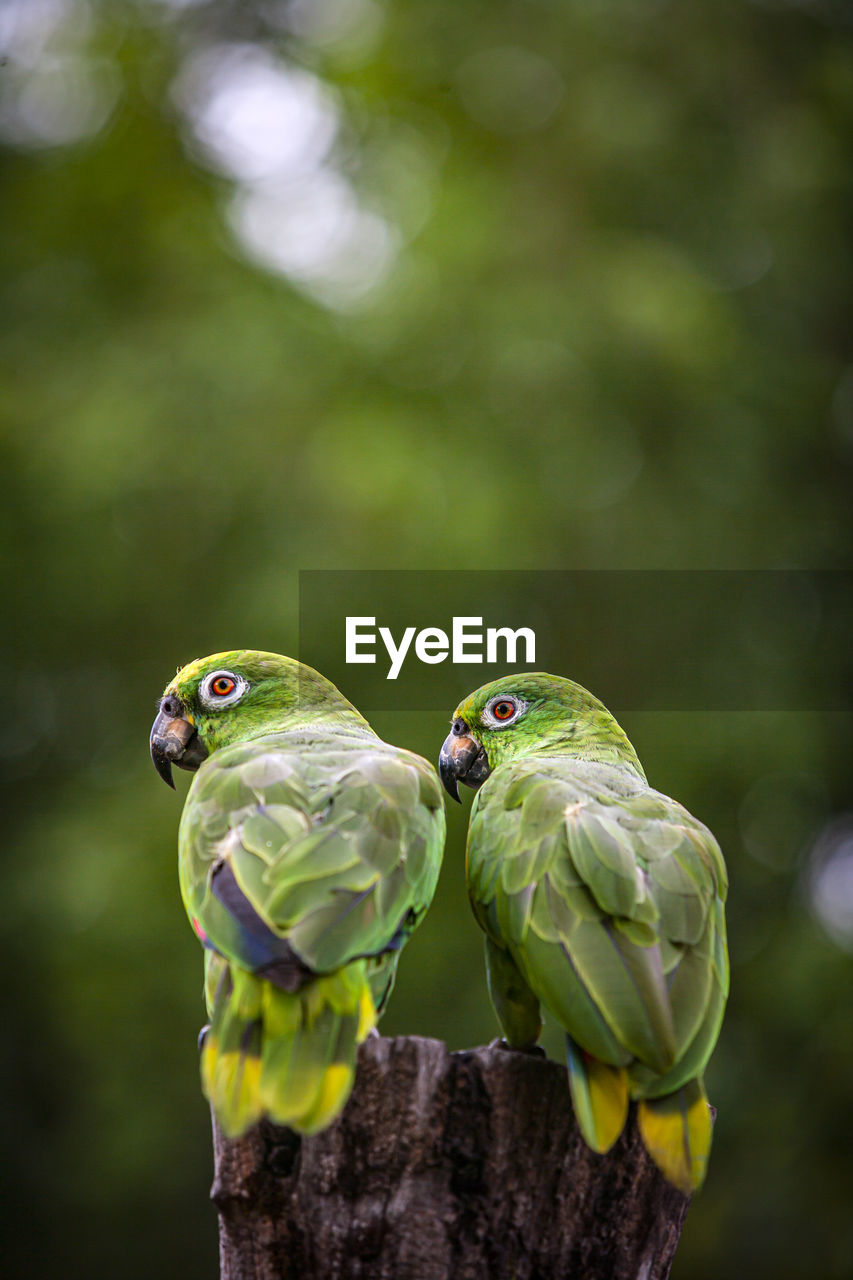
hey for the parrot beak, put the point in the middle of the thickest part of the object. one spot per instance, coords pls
(462, 759)
(174, 740)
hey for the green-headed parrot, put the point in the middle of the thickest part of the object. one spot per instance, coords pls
(309, 849)
(602, 900)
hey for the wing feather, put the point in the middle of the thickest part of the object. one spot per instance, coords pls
(609, 897)
(334, 843)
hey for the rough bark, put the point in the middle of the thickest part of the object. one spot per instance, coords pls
(444, 1166)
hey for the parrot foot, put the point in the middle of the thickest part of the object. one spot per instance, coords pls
(202, 1036)
(535, 1050)
(374, 1032)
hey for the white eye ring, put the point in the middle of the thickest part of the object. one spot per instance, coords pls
(491, 721)
(217, 700)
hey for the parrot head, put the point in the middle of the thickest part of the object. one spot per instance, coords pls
(526, 714)
(233, 697)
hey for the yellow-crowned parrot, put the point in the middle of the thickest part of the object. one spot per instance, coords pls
(602, 900)
(309, 849)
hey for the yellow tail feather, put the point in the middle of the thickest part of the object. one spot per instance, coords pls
(335, 1087)
(232, 1080)
(676, 1131)
(290, 1056)
(599, 1097)
(608, 1091)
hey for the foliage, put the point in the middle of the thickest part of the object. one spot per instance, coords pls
(586, 308)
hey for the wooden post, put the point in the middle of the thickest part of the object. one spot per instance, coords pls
(444, 1166)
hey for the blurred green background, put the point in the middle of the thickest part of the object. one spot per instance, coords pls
(346, 284)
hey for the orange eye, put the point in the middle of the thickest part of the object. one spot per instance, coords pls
(221, 689)
(504, 710)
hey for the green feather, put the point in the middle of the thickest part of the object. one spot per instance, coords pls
(332, 841)
(606, 899)
(516, 1005)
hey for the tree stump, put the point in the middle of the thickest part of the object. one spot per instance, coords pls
(444, 1166)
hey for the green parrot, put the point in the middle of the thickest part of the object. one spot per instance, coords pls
(309, 849)
(600, 899)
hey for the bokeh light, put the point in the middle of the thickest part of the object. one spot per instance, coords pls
(831, 881)
(54, 90)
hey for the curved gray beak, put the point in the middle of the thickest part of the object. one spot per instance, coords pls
(462, 759)
(174, 740)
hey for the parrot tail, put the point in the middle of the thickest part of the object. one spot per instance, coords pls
(676, 1131)
(599, 1097)
(289, 1056)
